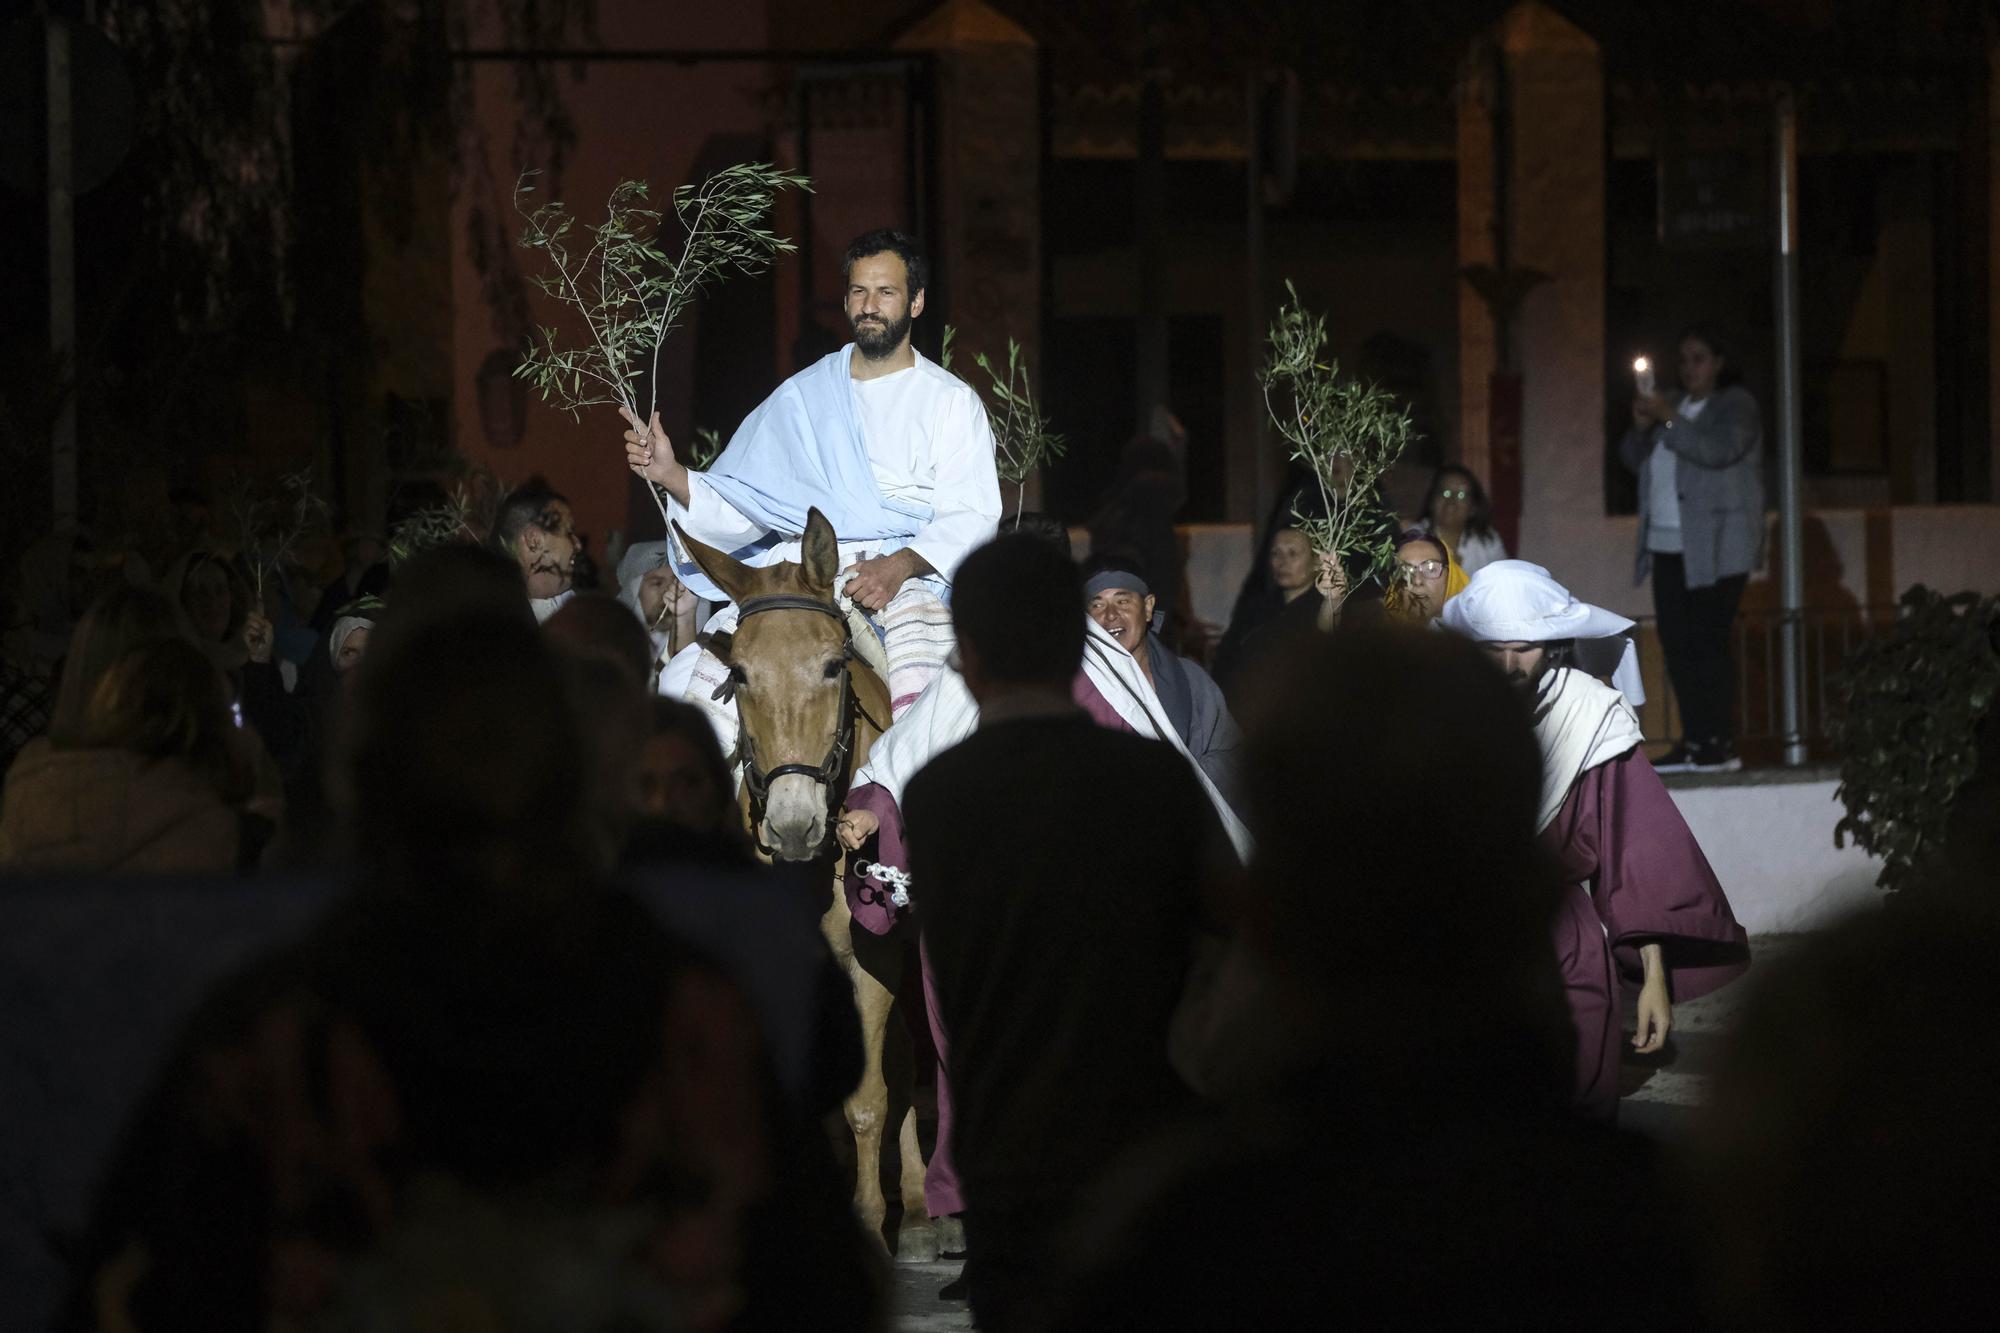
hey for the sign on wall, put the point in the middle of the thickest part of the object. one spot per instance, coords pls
(1714, 187)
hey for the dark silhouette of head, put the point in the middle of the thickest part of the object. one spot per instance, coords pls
(596, 624)
(1016, 605)
(1356, 825)
(461, 757)
(1035, 523)
(165, 700)
(124, 617)
(448, 581)
(1848, 1162)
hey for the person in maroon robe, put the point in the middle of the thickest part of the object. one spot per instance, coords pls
(1642, 907)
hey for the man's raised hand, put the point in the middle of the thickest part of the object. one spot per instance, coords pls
(650, 453)
(258, 637)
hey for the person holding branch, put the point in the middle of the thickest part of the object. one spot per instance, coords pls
(895, 450)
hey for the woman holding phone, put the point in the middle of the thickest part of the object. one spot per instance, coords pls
(1699, 457)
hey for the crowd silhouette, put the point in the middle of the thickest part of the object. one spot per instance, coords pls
(556, 1052)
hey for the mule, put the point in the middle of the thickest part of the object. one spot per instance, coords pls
(809, 707)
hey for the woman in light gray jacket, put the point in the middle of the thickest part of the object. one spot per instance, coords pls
(1699, 456)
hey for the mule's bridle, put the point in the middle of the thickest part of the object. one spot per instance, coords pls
(829, 771)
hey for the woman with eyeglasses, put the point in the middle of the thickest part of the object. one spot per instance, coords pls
(1425, 577)
(1456, 510)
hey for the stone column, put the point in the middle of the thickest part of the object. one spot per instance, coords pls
(1477, 246)
(1980, 472)
(989, 186)
(1555, 78)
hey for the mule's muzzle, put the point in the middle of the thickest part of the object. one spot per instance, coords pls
(795, 818)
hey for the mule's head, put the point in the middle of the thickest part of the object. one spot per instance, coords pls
(789, 669)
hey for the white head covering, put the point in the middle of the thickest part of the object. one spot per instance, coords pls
(343, 627)
(1514, 601)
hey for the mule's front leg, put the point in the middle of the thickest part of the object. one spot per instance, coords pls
(866, 1110)
(917, 1237)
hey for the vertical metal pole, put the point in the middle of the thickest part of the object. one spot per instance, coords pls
(1791, 518)
(1258, 481)
(1149, 203)
(62, 273)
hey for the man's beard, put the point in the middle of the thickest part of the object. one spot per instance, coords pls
(1529, 683)
(876, 341)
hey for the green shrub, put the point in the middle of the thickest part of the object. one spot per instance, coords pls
(1909, 740)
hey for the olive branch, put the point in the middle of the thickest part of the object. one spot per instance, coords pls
(437, 525)
(465, 515)
(630, 293)
(1022, 440)
(1333, 424)
(270, 520)
(707, 447)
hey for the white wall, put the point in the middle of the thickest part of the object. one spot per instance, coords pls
(1871, 555)
(1771, 845)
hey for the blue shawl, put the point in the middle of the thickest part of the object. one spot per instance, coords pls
(802, 449)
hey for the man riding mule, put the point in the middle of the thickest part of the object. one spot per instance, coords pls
(811, 708)
(894, 450)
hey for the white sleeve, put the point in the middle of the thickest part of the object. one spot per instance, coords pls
(942, 716)
(710, 519)
(965, 504)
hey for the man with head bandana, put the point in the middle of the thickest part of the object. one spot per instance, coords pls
(1642, 907)
(1120, 600)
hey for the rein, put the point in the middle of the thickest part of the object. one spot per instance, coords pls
(829, 770)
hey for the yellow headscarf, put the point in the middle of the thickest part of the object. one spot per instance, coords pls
(1397, 604)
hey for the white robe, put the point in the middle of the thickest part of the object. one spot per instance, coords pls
(929, 444)
(1583, 723)
(544, 607)
(945, 714)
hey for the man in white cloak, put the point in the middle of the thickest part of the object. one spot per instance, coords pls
(892, 448)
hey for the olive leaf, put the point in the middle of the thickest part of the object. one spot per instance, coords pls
(1022, 440)
(270, 519)
(1331, 424)
(631, 287)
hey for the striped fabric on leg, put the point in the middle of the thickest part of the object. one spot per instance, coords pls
(916, 633)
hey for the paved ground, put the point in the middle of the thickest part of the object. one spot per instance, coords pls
(1659, 1098)
(918, 1309)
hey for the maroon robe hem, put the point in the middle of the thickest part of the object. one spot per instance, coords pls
(1635, 876)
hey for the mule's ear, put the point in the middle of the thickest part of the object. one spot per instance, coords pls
(724, 571)
(819, 553)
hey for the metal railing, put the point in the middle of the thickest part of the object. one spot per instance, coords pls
(1829, 635)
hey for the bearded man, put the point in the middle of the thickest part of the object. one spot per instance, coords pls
(892, 448)
(1641, 905)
